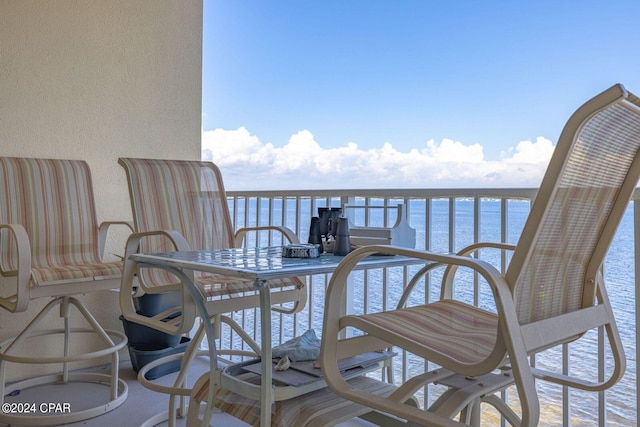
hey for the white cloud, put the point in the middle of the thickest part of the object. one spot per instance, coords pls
(235, 148)
(454, 151)
(298, 155)
(530, 152)
(303, 163)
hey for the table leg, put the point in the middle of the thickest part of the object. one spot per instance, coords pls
(266, 392)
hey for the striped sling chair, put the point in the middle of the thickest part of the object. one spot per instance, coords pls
(552, 292)
(51, 247)
(182, 205)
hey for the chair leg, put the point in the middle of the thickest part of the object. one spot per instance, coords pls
(199, 398)
(235, 326)
(106, 339)
(9, 354)
(179, 390)
(466, 394)
(67, 340)
(472, 413)
(507, 413)
(475, 416)
(26, 332)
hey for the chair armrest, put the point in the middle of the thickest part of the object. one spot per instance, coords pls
(103, 230)
(482, 245)
(20, 300)
(434, 260)
(286, 232)
(446, 291)
(129, 284)
(133, 246)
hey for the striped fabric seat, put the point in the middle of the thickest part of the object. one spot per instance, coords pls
(78, 272)
(53, 200)
(460, 331)
(318, 408)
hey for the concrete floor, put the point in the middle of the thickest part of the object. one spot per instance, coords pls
(140, 405)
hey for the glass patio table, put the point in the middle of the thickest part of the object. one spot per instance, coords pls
(258, 265)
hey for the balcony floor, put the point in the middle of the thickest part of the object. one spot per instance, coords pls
(141, 403)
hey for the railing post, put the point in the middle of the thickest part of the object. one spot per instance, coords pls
(452, 224)
(350, 294)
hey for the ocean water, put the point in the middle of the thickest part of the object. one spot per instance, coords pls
(619, 278)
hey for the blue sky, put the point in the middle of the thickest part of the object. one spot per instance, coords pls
(427, 93)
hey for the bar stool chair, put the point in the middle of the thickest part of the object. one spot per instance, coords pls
(50, 247)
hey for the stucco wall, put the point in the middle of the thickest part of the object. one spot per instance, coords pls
(96, 80)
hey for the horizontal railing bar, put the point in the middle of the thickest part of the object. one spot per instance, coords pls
(393, 193)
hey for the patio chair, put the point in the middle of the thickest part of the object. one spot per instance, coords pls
(50, 247)
(551, 293)
(182, 205)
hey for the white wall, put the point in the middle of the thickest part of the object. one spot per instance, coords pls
(97, 80)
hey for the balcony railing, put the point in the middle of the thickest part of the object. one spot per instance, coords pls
(446, 221)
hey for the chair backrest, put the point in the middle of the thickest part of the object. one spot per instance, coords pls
(583, 196)
(53, 200)
(185, 196)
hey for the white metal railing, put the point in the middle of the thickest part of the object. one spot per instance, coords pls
(448, 220)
